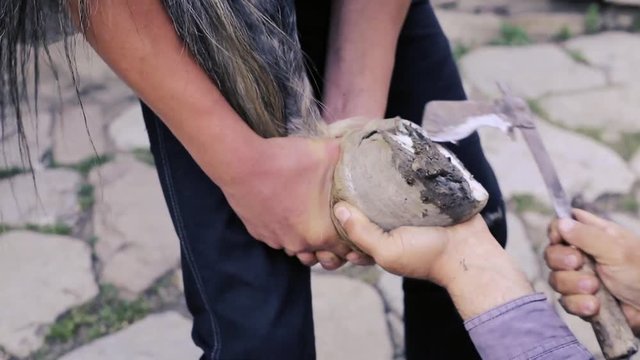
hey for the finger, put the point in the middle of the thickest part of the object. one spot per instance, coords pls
(366, 235)
(580, 305)
(562, 257)
(588, 238)
(590, 219)
(340, 249)
(289, 252)
(329, 260)
(553, 233)
(633, 317)
(573, 282)
(360, 259)
(307, 258)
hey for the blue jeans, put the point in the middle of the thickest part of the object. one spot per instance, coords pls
(251, 302)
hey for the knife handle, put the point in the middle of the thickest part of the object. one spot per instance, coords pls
(610, 325)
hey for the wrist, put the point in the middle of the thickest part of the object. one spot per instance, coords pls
(483, 275)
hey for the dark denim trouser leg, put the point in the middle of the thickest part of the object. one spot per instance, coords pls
(425, 71)
(248, 301)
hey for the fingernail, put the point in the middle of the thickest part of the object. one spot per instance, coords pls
(571, 261)
(585, 285)
(565, 225)
(342, 214)
(589, 307)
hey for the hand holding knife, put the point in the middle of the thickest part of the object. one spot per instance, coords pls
(454, 120)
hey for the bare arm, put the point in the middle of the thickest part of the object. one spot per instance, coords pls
(289, 176)
(137, 39)
(362, 47)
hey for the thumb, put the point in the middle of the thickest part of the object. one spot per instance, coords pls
(366, 235)
(590, 239)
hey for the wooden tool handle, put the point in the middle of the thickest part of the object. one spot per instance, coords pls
(610, 325)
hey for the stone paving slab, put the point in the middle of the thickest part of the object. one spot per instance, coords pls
(390, 286)
(520, 249)
(469, 29)
(531, 71)
(162, 336)
(41, 276)
(92, 71)
(618, 109)
(616, 52)
(544, 26)
(128, 130)
(136, 242)
(584, 165)
(349, 320)
(38, 136)
(55, 200)
(75, 141)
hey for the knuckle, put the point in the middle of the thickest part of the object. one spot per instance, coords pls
(553, 281)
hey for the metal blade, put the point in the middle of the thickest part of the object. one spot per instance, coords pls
(559, 198)
(455, 120)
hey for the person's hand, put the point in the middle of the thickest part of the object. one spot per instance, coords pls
(284, 200)
(617, 255)
(465, 259)
(419, 252)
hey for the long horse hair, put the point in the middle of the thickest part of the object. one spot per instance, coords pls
(249, 48)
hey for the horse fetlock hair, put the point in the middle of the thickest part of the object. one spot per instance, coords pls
(249, 48)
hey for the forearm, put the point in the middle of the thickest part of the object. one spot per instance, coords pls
(505, 319)
(137, 39)
(362, 47)
(483, 276)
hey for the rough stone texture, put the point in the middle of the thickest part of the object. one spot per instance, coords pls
(396, 328)
(128, 131)
(390, 286)
(469, 29)
(92, 71)
(97, 83)
(176, 279)
(37, 132)
(582, 330)
(618, 53)
(162, 336)
(618, 109)
(519, 247)
(54, 202)
(132, 224)
(531, 71)
(584, 166)
(364, 335)
(543, 26)
(635, 163)
(72, 144)
(41, 276)
(536, 225)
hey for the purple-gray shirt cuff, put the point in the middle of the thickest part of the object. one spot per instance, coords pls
(524, 328)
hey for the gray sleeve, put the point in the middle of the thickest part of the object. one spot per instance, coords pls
(525, 328)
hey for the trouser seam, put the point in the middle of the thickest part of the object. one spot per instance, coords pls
(179, 225)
